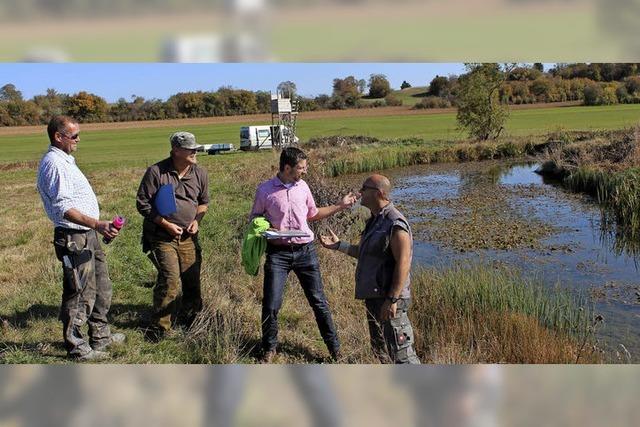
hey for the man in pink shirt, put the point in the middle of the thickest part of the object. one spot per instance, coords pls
(287, 203)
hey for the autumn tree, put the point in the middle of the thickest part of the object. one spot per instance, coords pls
(379, 86)
(87, 107)
(479, 109)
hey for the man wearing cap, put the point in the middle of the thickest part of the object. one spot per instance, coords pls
(72, 206)
(383, 272)
(172, 239)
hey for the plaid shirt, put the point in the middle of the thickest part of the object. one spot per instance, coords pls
(63, 186)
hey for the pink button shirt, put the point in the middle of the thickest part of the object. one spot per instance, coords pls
(285, 208)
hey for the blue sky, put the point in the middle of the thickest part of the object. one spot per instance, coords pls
(113, 81)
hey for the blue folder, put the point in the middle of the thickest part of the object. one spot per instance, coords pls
(165, 201)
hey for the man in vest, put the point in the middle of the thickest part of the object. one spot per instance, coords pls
(383, 272)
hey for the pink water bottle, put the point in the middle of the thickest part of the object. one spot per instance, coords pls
(117, 223)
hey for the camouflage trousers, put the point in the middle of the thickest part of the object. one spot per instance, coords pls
(177, 290)
(86, 290)
(391, 340)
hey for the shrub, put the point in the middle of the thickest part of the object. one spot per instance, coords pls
(592, 94)
(392, 100)
(432, 102)
(632, 85)
(379, 86)
(609, 95)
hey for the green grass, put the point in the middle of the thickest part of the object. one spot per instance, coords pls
(30, 276)
(145, 146)
(489, 314)
(228, 331)
(619, 193)
(409, 96)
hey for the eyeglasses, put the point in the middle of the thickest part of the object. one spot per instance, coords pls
(364, 187)
(76, 136)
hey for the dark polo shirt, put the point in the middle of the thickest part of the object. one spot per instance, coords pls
(374, 272)
(191, 191)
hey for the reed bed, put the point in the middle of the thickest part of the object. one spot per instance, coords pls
(398, 154)
(477, 313)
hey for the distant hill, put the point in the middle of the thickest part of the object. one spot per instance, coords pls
(410, 96)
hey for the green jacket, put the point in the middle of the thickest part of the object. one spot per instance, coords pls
(254, 245)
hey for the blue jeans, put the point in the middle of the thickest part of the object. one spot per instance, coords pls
(303, 260)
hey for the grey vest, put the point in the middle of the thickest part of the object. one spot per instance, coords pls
(376, 264)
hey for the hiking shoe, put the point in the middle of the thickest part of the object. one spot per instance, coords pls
(114, 339)
(94, 356)
(268, 356)
(335, 355)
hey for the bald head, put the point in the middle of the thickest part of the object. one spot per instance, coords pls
(381, 183)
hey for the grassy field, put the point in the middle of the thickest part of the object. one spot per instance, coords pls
(228, 330)
(147, 145)
(409, 96)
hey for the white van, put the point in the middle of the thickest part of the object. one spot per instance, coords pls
(259, 137)
(255, 137)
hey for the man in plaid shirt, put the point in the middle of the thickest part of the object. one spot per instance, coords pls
(71, 205)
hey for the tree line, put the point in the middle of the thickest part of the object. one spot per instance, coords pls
(594, 84)
(87, 107)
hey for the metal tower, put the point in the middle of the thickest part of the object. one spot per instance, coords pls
(284, 112)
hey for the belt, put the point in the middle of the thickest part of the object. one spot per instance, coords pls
(70, 230)
(287, 246)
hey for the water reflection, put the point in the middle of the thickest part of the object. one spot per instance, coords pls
(498, 212)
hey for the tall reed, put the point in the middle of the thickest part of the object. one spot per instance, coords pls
(479, 313)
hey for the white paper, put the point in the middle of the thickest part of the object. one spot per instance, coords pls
(270, 234)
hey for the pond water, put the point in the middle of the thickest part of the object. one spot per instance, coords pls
(505, 213)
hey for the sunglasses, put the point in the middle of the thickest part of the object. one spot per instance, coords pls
(364, 187)
(76, 136)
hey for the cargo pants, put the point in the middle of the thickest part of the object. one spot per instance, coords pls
(86, 290)
(177, 290)
(391, 340)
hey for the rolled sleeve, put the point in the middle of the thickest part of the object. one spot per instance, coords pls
(401, 225)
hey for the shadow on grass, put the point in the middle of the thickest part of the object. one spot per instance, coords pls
(21, 319)
(298, 353)
(12, 352)
(130, 316)
(125, 316)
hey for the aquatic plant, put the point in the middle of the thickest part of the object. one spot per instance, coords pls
(494, 314)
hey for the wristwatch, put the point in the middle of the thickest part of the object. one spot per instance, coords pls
(393, 299)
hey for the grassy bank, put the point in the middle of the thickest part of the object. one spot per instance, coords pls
(605, 165)
(229, 328)
(374, 155)
(480, 314)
